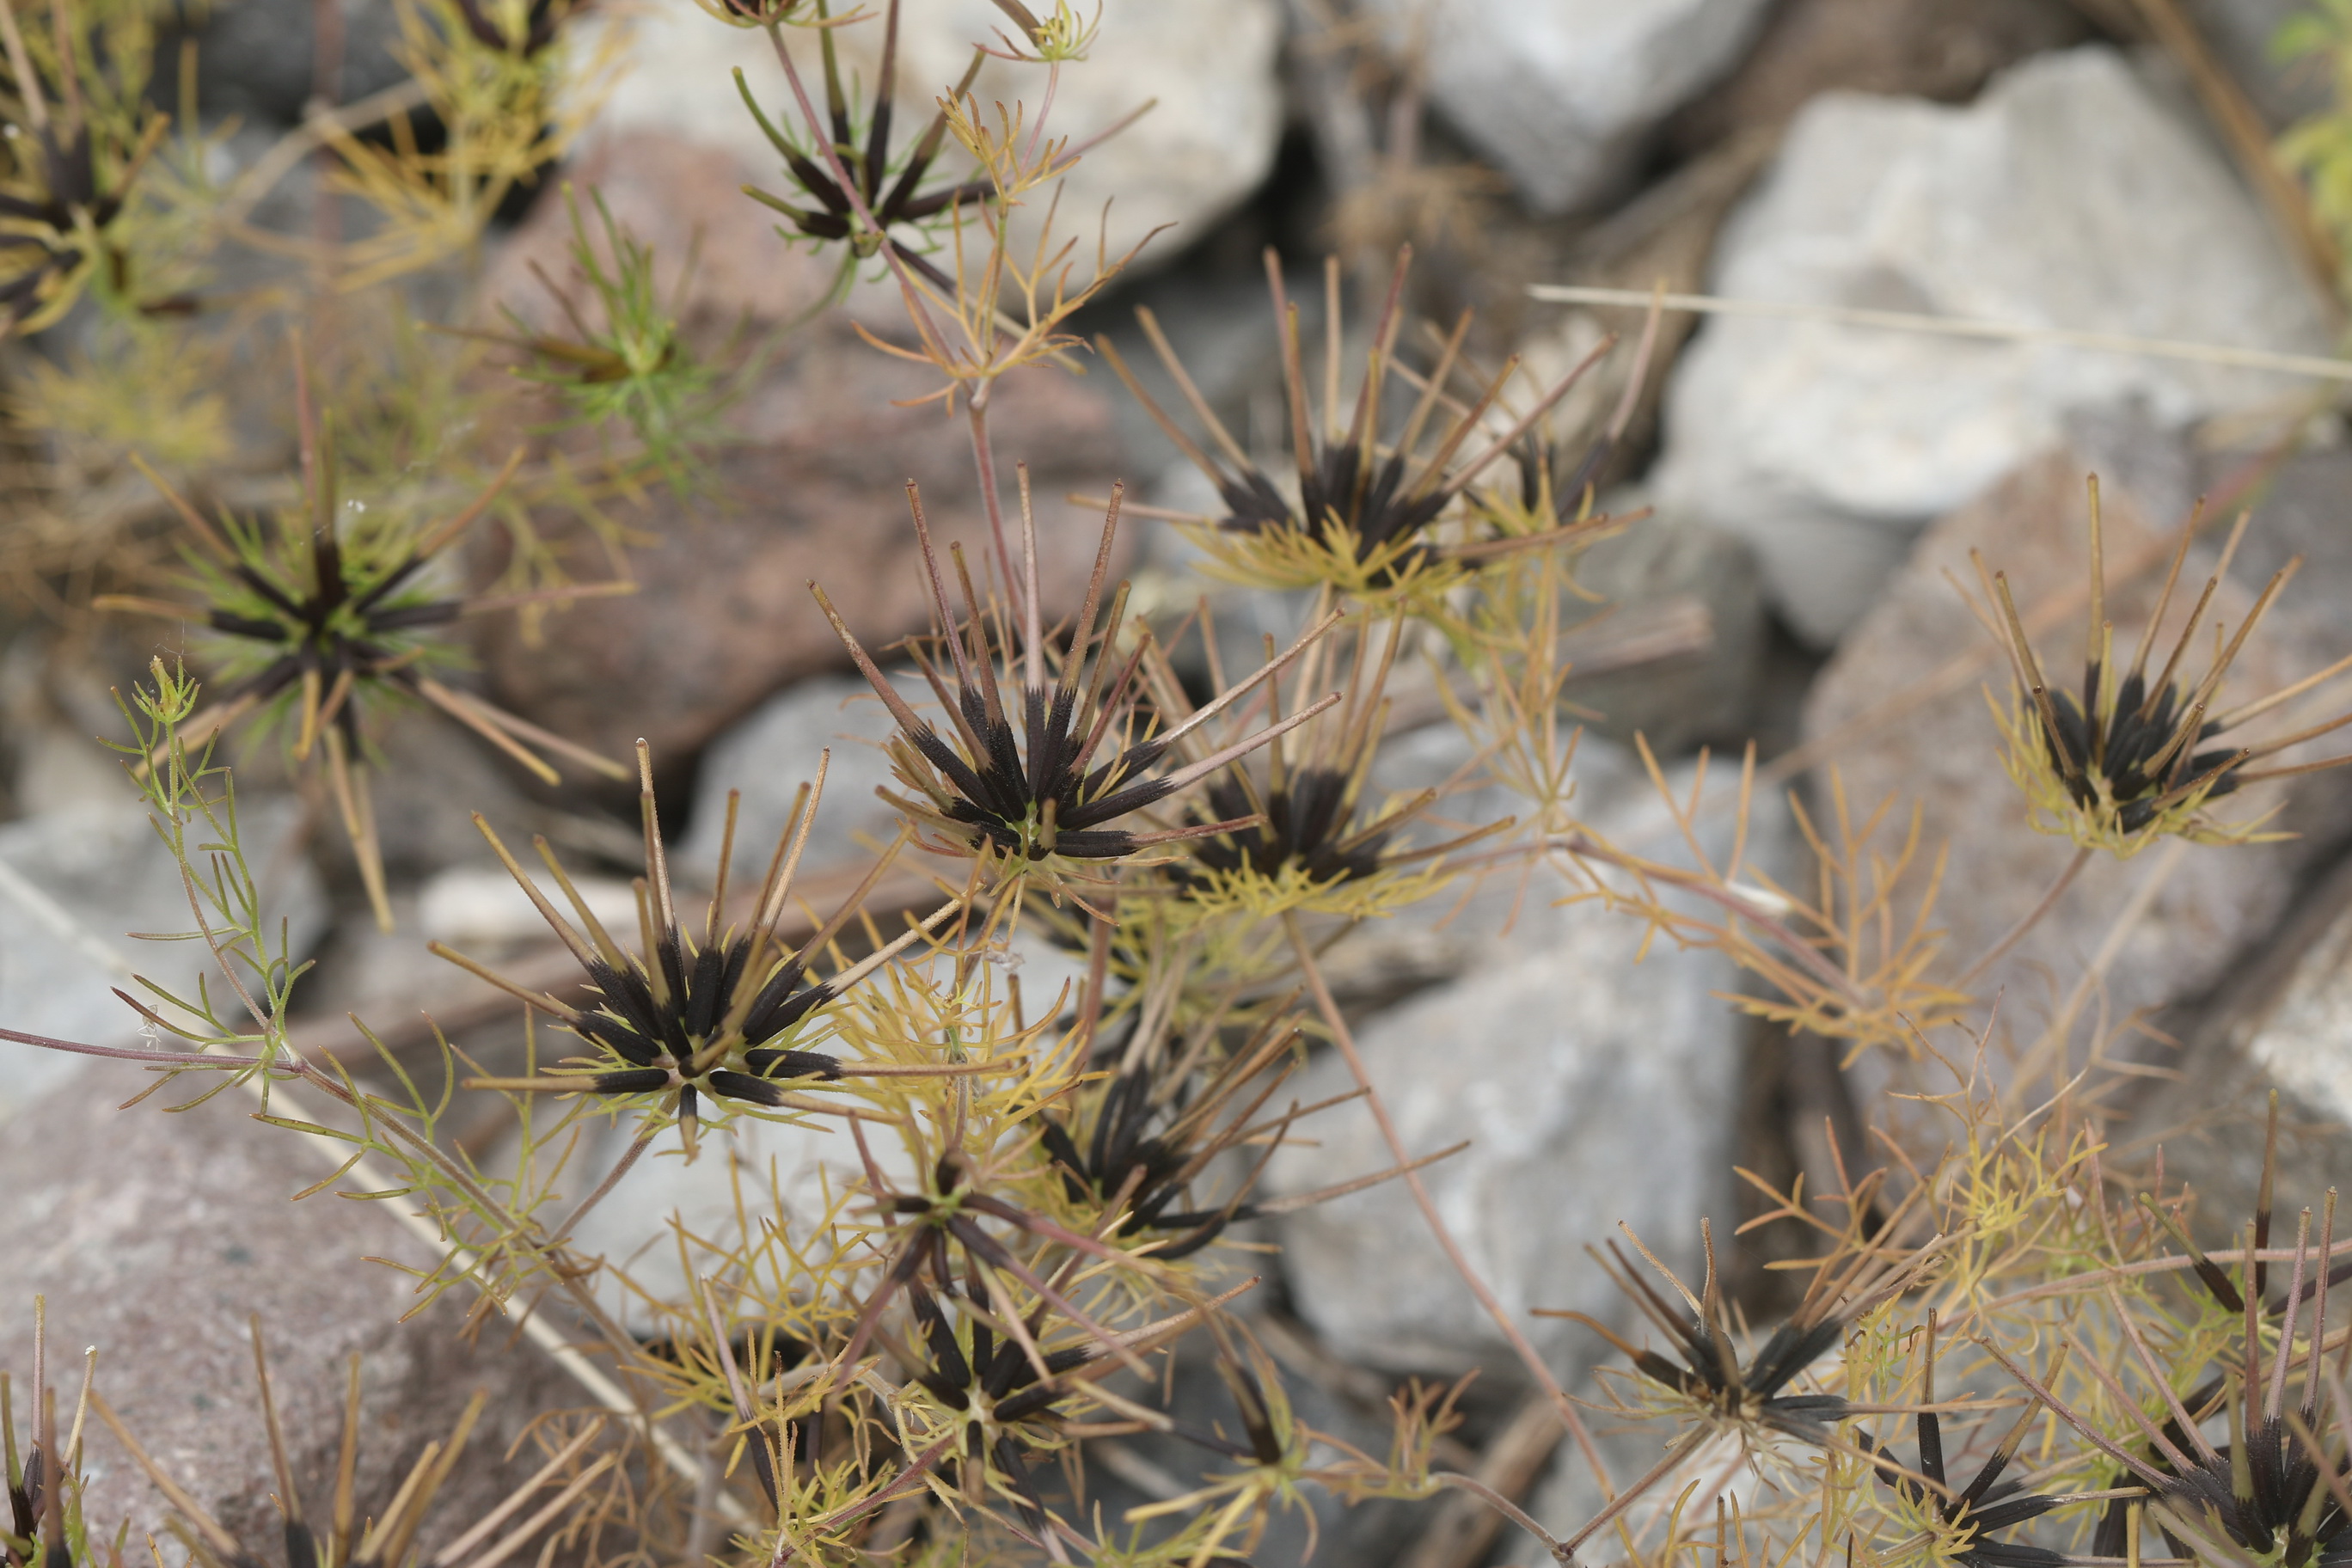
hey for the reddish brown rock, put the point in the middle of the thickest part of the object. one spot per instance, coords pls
(817, 489)
(155, 1236)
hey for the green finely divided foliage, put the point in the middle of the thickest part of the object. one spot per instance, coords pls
(932, 1364)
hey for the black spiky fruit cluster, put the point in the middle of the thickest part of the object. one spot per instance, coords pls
(2140, 758)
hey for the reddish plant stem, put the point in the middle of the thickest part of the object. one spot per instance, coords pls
(982, 453)
(983, 457)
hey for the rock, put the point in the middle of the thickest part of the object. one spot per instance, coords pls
(436, 778)
(255, 58)
(2069, 196)
(473, 907)
(1594, 1089)
(2302, 1040)
(1943, 49)
(1673, 646)
(2242, 35)
(723, 616)
(2278, 1025)
(2298, 515)
(54, 710)
(670, 1221)
(1900, 716)
(666, 190)
(75, 883)
(809, 483)
(154, 1236)
(1562, 94)
(771, 754)
(1205, 146)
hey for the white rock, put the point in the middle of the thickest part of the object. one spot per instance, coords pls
(74, 885)
(480, 906)
(2304, 1041)
(1562, 92)
(1210, 65)
(1594, 1089)
(2069, 196)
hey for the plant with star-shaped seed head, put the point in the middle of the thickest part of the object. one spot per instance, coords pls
(1041, 767)
(1308, 840)
(1961, 1521)
(688, 1015)
(1754, 1398)
(79, 136)
(886, 188)
(2276, 1491)
(323, 616)
(1360, 511)
(2126, 762)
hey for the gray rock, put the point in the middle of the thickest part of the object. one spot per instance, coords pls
(254, 58)
(476, 907)
(2303, 1039)
(2243, 34)
(435, 779)
(1205, 146)
(1673, 646)
(2277, 1027)
(154, 1238)
(1562, 93)
(1594, 1089)
(2069, 196)
(75, 883)
(771, 754)
(1896, 725)
(54, 709)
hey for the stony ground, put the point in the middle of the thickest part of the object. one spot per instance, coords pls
(1815, 487)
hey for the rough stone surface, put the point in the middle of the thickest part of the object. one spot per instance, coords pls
(2242, 35)
(440, 776)
(1938, 747)
(254, 58)
(662, 188)
(2279, 1024)
(77, 882)
(1673, 646)
(155, 1236)
(813, 488)
(2305, 1039)
(1942, 50)
(2069, 196)
(1211, 64)
(471, 907)
(771, 754)
(1562, 93)
(666, 1226)
(723, 615)
(1595, 1089)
